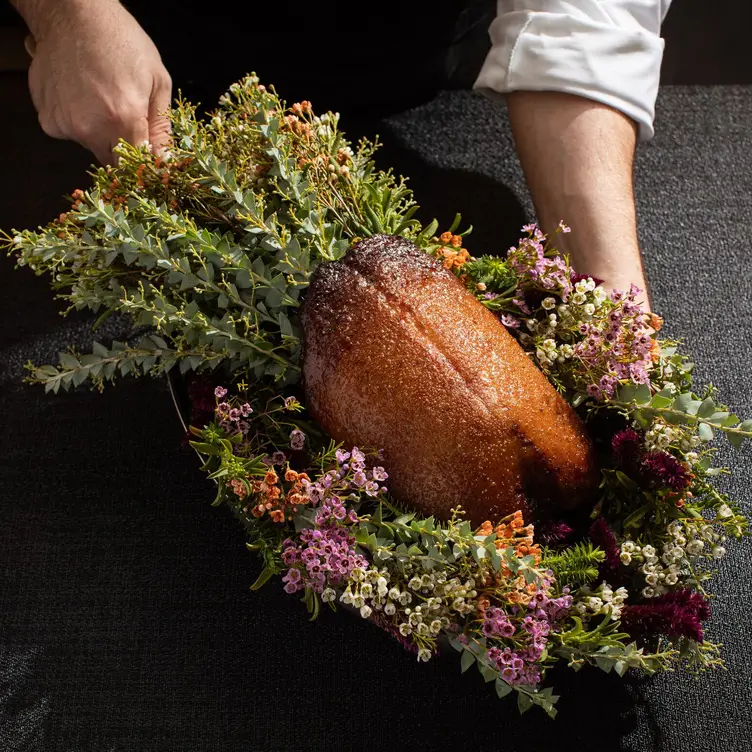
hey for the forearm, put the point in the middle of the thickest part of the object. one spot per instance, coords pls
(578, 155)
(40, 15)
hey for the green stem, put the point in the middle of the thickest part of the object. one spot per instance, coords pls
(680, 414)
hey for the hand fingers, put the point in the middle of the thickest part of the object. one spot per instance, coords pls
(102, 140)
(159, 122)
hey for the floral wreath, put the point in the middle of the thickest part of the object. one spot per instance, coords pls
(210, 249)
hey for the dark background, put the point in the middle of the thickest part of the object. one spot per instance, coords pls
(125, 617)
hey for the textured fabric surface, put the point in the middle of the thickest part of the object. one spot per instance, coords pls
(126, 622)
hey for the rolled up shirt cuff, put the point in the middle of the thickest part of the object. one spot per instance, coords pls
(542, 51)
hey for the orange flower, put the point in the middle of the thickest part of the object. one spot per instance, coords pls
(273, 493)
(655, 321)
(271, 477)
(290, 475)
(655, 351)
(296, 499)
(485, 529)
(258, 511)
(456, 241)
(446, 237)
(277, 515)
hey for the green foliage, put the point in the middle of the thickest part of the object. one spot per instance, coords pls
(606, 647)
(210, 250)
(576, 565)
(702, 416)
(492, 273)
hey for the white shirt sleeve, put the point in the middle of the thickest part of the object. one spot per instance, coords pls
(606, 50)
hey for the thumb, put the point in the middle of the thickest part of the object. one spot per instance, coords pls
(159, 122)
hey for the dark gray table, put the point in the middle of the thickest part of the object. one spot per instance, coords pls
(126, 622)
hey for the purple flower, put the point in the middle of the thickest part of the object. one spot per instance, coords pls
(290, 402)
(234, 414)
(220, 392)
(279, 458)
(378, 473)
(510, 321)
(297, 439)
(245, 409)
(360, 478)
(342, 456)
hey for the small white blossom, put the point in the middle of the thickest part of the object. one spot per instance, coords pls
(589, 309)
(724, 511)
(625, 557)
(648, 592)
(424, 655)
(599, 295)
(390, 609)
(718, 552)
(695, 546)
(329, 594)
(549, 303)
(671, 579)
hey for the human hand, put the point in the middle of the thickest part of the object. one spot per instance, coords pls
(96, 77)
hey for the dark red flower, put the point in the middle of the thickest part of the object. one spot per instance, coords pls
(675, 614)
(627, 447)
(603, 537)
(554, 532)
(575, 278)
(662, 469)
(202, 402)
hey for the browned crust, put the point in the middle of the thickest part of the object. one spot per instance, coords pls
(400, 356)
